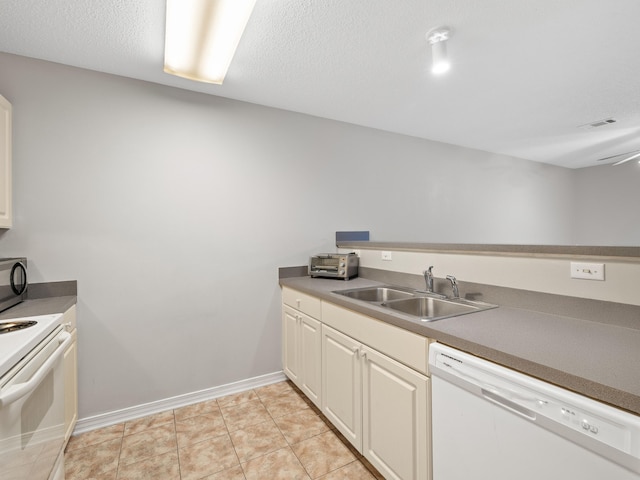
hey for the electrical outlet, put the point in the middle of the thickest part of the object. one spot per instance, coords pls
(385, 255)
(587, 271)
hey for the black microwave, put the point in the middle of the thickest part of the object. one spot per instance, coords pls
(13, 281)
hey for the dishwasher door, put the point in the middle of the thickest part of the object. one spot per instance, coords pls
(492, 423)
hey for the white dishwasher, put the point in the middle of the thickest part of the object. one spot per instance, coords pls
(492, 423)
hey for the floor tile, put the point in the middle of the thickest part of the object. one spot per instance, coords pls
(150, 421)
(163, 467)
(352, 471)
(111, 475)
(322, 454)
(207, 457)
(96, 436)
(234, 473)
(274, 390)
(196, 409)
(285, 404)
(276, 433)
(301, 425)
(279, 465)
(376, 474)
(237, 398)
(148, 443)
(348, 444)
(244, 414)
(196, 429)
(257, 440)
(95, 461)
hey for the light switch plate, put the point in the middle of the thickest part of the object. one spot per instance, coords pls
(385, 255)
(587, 271)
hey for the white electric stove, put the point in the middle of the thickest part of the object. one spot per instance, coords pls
(32, 397)
(19, 336)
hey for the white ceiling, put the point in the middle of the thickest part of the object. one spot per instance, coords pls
(525, 74)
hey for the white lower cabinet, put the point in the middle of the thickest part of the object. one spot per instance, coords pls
(341, 384)
(369, 379)
(380, 405)
(301, 352)
(395, 412)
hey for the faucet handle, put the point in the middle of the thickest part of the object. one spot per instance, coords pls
(454, 286)
(428, 270)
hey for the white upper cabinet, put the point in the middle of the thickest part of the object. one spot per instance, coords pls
(5, 163)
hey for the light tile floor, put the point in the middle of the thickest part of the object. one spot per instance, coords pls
(267, 433)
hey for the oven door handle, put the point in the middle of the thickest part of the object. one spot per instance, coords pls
(19, 390)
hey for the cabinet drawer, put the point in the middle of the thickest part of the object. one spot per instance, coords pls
(406, 347)
(302, 302)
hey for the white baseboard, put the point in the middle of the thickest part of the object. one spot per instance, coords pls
(131, 413)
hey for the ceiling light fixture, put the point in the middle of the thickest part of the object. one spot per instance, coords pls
(437, 39)
(202, 36)
(628, 157)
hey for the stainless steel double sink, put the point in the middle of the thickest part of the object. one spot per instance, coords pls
(428, 307)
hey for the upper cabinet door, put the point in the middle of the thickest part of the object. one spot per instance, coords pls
(5, 163)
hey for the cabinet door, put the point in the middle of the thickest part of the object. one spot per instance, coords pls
(341, 384)
(310, 358)
(290, 347)
(71, 386)
(395, 418)
(5, 163)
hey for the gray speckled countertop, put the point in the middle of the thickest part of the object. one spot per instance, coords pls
(40, 306)
(594, 359)
(44, 299)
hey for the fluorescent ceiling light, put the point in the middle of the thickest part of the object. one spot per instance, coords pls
(628, 157)
(625, 160)
(437, 38)
(202, 36)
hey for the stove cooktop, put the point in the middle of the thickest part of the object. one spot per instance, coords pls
(17, 343)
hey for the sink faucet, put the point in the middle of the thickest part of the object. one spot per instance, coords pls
(428, 278)
(454, 285)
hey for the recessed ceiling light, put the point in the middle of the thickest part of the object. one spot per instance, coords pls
(437, 38)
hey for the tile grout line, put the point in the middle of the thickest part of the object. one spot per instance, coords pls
(124, 429)
(356, 459)
(175, 427)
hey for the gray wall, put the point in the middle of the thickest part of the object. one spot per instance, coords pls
(173, 211)
(609, 205)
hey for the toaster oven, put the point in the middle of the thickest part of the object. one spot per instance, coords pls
(334, 265)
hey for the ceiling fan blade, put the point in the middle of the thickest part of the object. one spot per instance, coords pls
(620, 155)
(627, 159)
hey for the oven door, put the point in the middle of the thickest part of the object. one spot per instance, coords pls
(32, 412)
